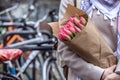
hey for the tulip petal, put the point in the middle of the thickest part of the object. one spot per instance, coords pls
(82, 20)
(70, 23)
(77, 22)
(71, 19)
(77, 29)
(65, 36)
(66, 31)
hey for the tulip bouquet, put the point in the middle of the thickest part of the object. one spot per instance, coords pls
(73, 26)
(80, 34)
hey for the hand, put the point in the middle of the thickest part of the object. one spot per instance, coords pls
(108, 71)
(112, 76)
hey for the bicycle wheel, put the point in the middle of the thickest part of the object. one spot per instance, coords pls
(7, 76)
(50, 70)
(47, 67)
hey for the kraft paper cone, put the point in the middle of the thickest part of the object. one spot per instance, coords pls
(55, 28)
(88, 44)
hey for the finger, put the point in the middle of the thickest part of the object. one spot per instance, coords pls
(107, 78)
(113, 67)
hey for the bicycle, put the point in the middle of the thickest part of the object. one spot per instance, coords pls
(37, 48)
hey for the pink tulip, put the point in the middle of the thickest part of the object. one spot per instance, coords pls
(63, 37)
(60, 37)
(77, 22)
(66, 30)
(70, 28)
(77, 29)
(70, 23)
(71, 19)
(82, 20)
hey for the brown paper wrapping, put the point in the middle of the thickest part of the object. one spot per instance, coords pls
(89, 44)
(55, 28)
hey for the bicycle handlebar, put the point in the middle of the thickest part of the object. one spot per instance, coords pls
(24, 24)
(9, 9)
(44, 48)
(6, 19)
(43, 32)
(17, 24)
(49, 41)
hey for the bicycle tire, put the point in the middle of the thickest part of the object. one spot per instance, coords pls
(48, 72)
(8, 76)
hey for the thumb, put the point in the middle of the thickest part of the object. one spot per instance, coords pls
(112, 67)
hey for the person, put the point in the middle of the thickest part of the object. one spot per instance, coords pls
(104, 14)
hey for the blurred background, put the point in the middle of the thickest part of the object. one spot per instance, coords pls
(22, 6)
(28, 48)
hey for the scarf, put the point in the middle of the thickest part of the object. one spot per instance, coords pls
(110, 9)
(118, 36)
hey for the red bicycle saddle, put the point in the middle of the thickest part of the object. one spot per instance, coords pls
(10, 54)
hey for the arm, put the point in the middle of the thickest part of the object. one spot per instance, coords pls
(73, 61)
(78, 65)
(114, 76)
